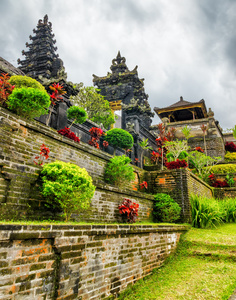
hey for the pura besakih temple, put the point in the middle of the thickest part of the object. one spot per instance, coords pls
(125, 91)
(41, 58)
(183, 111)
(193, 115)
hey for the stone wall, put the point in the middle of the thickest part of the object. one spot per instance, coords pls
(79, 262)
(20, 142)
(179, 184)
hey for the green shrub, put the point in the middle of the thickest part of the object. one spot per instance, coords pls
(118, 171)
(206, 213)
(29, 102)
(20, 81)
(230, 156)
(165, 209)
(224, 168)
(67, 186)
(118, 137)
(77, 113)
(228, 207)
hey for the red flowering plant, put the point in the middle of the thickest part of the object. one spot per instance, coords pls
(143, 185)
(55, 97)
(216, 182)
(105, 144)
(129, 211)
(199, 149)
(43, 155)
(95, 134)
(5, 88)
(177, 164)
(230, 146)
(69, 134)
(136, 161)
(156, 157)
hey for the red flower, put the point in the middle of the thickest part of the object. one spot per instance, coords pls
(176, 164)
(105, 144)
(230, 146)
(143, 185)
(129, 209)
(44, 154)
(199, 149)
(68, 133)
(95, 133)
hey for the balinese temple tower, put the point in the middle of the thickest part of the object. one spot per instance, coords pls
(125, 91)
(41, 58)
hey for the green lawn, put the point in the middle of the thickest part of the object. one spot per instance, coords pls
(204, 267)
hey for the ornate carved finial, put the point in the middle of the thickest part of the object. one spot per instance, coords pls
(45, 19)
(181, 98)
(210, 113)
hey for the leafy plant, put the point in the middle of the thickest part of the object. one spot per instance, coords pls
(118, 171)
(28, 102)
(55, 97)
(229, 179)
(165, 209)
(118, 137)
(199, 149)
(144, 145)
(202, 163)
(230, 146)
(129, 211)
(228, 206)
(230, 156)
(143, 185)
(69, 134)
(206, 213)
(224, 169)
(78, 114)
(67, 186)
(216, 182)
(96, 106)
(176, 150)
(5, 88)
(43, 155)
(155, 157)
(95, 135)
(20, 81)
(186, 132)
(176, 164)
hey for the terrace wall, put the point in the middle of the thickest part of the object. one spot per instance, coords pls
(20, 142)
(179, 184)
(79, 262)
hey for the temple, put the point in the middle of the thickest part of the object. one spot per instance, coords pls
(194, 115)
(125, 91)
(41, 59)
(183, 111)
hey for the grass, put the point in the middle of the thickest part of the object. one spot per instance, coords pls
(203, 267)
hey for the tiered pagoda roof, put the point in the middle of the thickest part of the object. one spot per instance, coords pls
(121, 86)
(183, 111)
(41, 58)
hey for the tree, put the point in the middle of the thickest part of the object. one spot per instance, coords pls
(144, 145)
(176, 150)
(118, 137)
(96, 106)
(77, 113)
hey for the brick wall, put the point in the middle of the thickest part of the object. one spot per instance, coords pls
(79, 262)
(20, 142)
(179, 184)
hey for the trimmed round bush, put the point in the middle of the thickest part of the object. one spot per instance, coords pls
(24, 81)
(29, 102)
(230, 156)
(78, 114)
(67, 186)
(165, 209)
(118, 137)
(118, 171)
